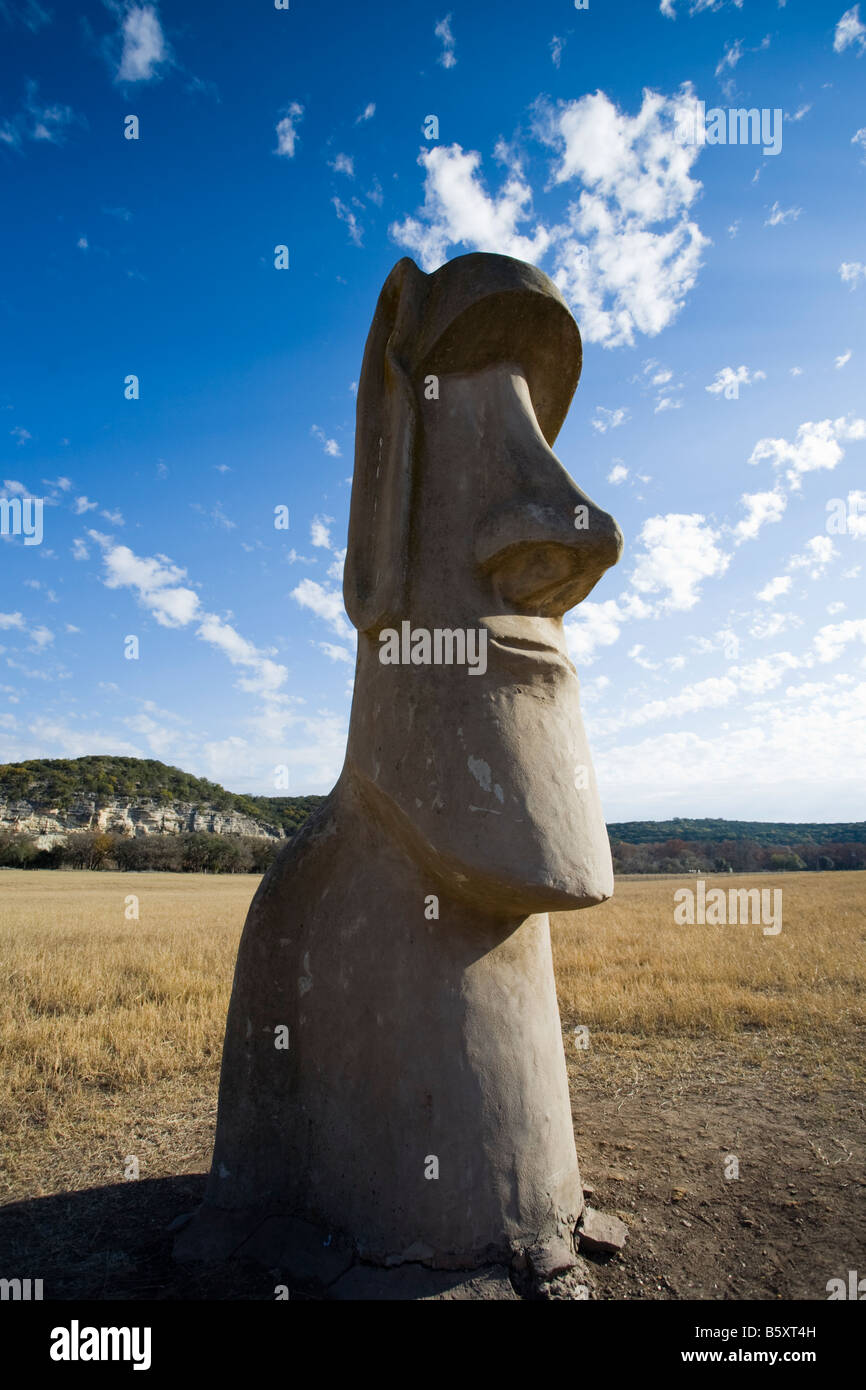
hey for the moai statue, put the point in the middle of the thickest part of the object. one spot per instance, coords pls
(393, 1081)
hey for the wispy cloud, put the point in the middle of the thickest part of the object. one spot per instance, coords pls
(38, 121)
(330, 446)
(28, 13)
(779, 215)
(850, 32)
(345, 214)
(287, 135)
(443, 31)
(144, 51)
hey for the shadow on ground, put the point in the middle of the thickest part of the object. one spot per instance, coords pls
(115, 1243)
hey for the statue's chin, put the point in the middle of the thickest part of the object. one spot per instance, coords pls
(504, 865)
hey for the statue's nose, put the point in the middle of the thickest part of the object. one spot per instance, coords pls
(545, 556)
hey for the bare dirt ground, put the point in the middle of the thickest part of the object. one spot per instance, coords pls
(656, 1150)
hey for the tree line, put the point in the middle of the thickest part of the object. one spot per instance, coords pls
(205, 852)
(739, 856)
(190, 853)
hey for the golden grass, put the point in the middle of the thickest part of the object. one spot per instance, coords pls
(626, 968)
(111, 1029)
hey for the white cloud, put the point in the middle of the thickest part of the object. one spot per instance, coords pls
(605, 420)
(817, 446)
(330, 446)
(856, 520)
(850, 30)
(319, 533)
(144, 48)
(335, 568)
(156, 581)
(45, 124)
(775, 588)
(617, 474)
(761, 508)
(627, 254)
(732, 378)
(842, 359)
(779, 215)
(852, 272)
(83, 504)
(731, 56)
(41, 637)
(765, 673)
(594, 625)
(266, 676)
(831, 641)
(367, 114)
(79, 549)
(706, 694)
(335, 652)
(326, 603)
(443, 32)
(458, 210)
(666, 7)
(287, 135)
(556, 46)
(819, 553)
(344, 164)
(8, 620)
(768, 625)
(345, 214)
(680, 552)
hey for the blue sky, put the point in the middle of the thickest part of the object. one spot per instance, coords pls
(720, 292)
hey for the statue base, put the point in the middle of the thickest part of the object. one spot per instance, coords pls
(319, 1264)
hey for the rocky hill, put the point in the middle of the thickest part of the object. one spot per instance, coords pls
(52, 798)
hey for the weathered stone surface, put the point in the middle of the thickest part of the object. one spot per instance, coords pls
(402, 936)
(601, 1234)
(555, 1257)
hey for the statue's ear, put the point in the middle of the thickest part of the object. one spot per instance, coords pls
(375, 582)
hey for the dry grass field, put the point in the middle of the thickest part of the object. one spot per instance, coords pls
(703, 1042)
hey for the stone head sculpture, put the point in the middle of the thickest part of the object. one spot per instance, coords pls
(393, 1074)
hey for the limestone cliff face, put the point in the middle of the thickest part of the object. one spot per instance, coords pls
(126, 816)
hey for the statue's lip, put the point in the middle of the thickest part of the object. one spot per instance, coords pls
(539, 653)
